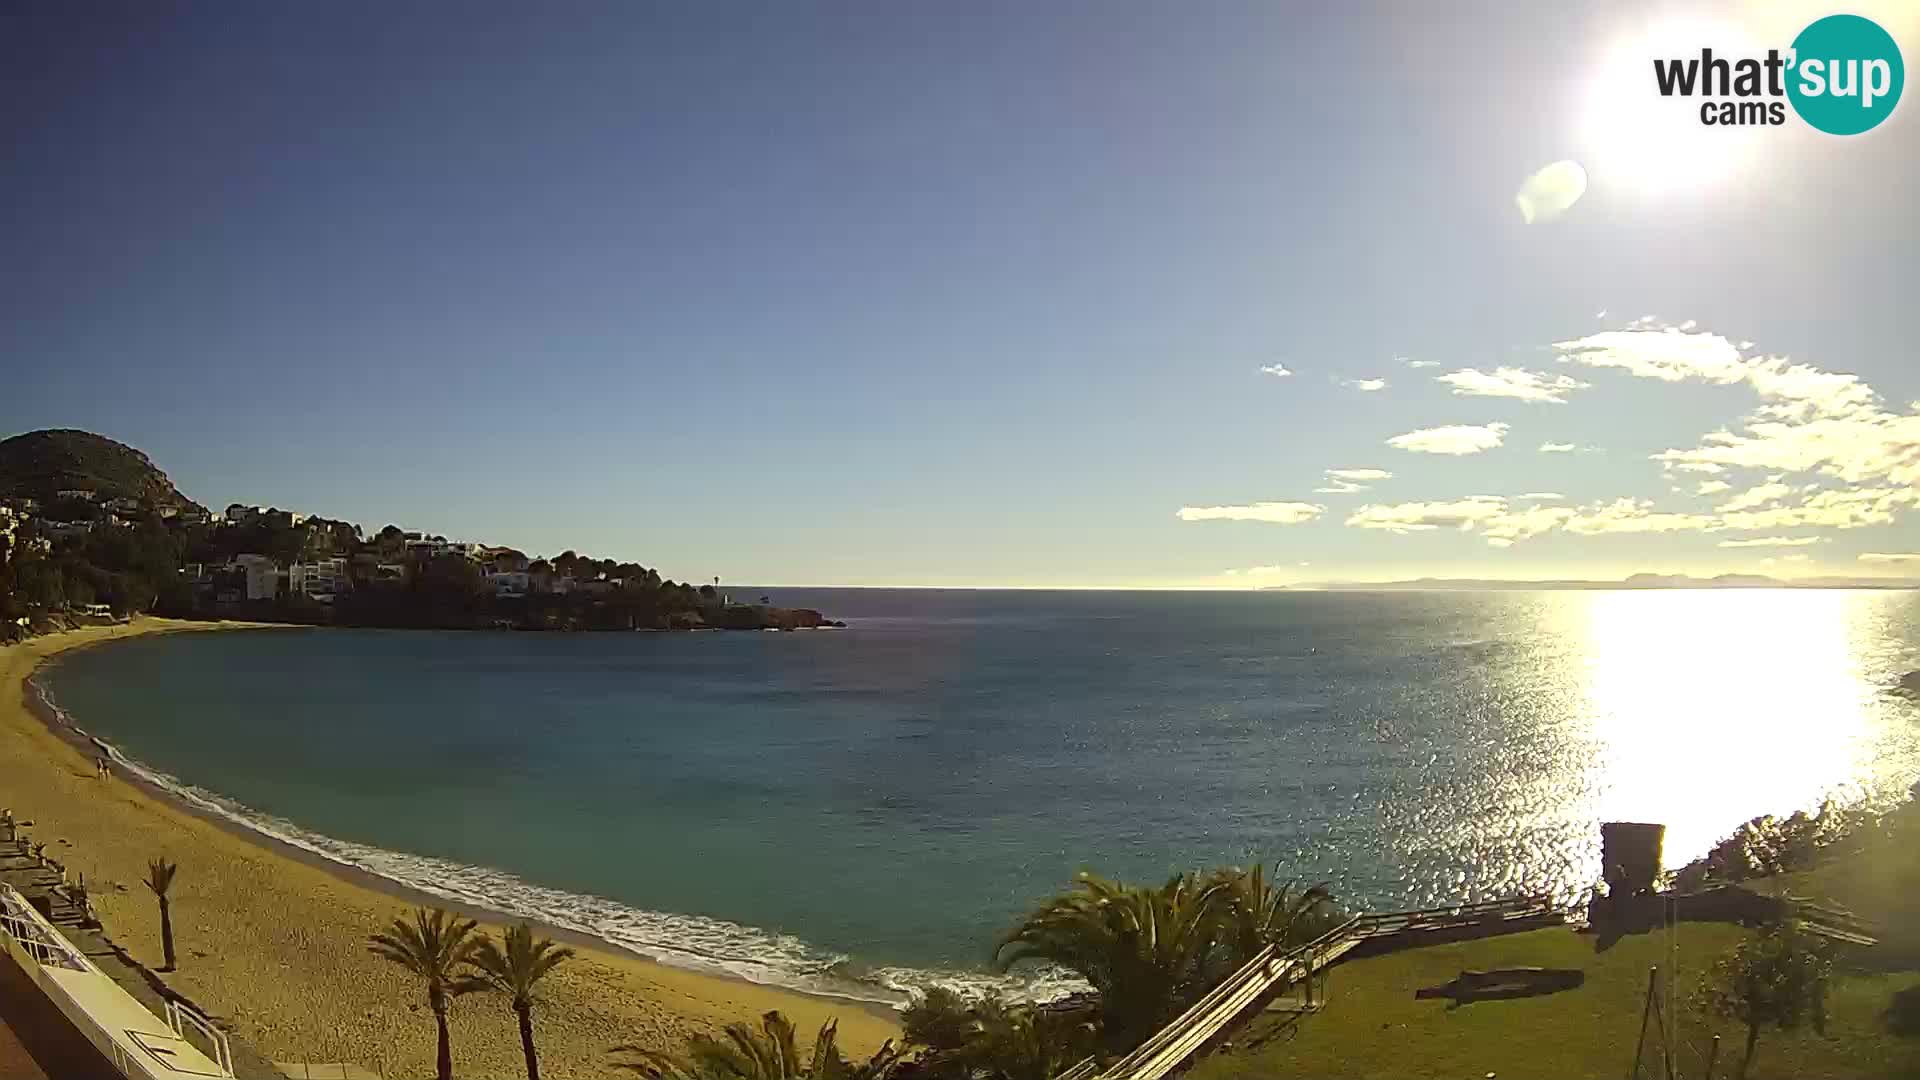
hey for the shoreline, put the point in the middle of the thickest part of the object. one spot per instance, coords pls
(694, 1000)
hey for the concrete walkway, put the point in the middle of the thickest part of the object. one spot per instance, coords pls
(18, 869)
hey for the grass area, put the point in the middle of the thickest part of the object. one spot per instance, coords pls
(1373, 1026)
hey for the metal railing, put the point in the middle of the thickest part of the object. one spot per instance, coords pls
(181, 1017)
(1169, 1047)
(1172, 1045)
(80, 999)
(19, 921)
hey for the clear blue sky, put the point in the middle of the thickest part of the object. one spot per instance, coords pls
(961, 294)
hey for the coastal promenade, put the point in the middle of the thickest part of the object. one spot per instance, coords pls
(274, 944)
(102, 982)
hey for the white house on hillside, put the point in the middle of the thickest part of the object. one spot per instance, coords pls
(263, 576)
(319, 580)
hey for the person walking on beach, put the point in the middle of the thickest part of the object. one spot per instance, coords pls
(103, 768)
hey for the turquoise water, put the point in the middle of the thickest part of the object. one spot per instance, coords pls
(868, 808)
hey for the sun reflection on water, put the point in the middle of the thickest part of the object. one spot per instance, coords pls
(1706, 709)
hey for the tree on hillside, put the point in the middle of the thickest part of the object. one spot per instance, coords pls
(513, 971)
(1777, 978)
(436, 946)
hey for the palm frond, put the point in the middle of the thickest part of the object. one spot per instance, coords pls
(160, 875)
(433, 945)
(768, 1051)
(524, 960)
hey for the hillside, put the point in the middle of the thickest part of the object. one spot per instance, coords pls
(41, 463)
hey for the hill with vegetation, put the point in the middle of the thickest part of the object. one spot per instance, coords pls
(90, 527)
(41, 464)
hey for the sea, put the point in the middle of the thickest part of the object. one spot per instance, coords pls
(864, 811)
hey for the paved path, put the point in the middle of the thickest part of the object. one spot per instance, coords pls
(18, 870)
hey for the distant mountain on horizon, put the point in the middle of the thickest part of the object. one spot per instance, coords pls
(1636, 581)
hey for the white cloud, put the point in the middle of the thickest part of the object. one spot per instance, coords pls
(1496, 520)
(1509, 382)
(1832, 454)
(1543, 495)
(1516, 525)
(1773, 541)
(1276, 370)
(1366, 385)
(1551, 192)
(1502, 524)
(1276, 513)
(1348, 481)
(1808, 421)
(1418, 363)
(1257, 571)
(1677, 354)
(1424, 516)
(1756, 496)
(1631, 516)
(1451, 439)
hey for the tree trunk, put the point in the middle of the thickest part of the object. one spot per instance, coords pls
(1753, 1036)
(166, 934)
(526, 1039)
(443, 1059)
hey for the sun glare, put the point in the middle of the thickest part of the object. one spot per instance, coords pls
(1710, 704)
(1639, 142)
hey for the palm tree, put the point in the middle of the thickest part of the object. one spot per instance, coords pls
(159, 879)
(1258, 912)
(513, 971)
(1148, 952)
(433, 946)
(768, 1052)
(992, 1040)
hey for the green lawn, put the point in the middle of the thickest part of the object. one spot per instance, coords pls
(1372, 1025)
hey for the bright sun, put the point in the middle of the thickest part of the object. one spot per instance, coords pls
(1638, 141)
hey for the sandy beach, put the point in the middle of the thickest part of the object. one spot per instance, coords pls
(275, 946)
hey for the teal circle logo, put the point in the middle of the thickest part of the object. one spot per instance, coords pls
(1846, 74)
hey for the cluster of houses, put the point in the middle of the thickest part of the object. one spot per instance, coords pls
(50, 523)
(505, 572)
(338, 560)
